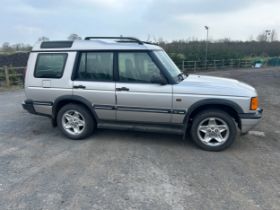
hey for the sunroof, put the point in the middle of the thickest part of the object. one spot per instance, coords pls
(57, 44)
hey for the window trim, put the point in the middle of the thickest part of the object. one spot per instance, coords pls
(162, 69)
(50, 53)
(77, 64)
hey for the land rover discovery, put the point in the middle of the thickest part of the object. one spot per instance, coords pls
(126, 82)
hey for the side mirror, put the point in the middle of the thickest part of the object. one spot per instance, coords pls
(159, 79)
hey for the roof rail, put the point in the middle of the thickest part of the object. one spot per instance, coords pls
(120, 38)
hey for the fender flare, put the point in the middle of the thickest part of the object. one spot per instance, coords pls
(73, 98)
(205, 102)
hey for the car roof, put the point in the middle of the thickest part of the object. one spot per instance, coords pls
(95, 44)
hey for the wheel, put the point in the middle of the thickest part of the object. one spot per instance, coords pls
(213, 130)
(75, 121)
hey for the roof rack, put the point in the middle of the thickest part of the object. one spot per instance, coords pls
(119, 38)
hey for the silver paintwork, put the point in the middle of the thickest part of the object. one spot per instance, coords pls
(43, 109)
(99, 45)
(73, 122)
(98, 93)
(213, 131)
(146, 96)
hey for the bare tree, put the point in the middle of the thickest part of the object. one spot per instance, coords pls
(73, 37)
(43, 39)
(273, 35)
(251, 38)
(267, 35)
(262, 37)
(6, 47)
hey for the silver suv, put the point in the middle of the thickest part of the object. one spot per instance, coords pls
(123, 81)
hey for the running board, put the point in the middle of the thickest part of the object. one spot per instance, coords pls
(143, 128)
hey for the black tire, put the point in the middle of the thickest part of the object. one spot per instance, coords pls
(219, 115)
(89, 122)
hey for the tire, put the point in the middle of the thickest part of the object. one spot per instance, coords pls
(75, 121)
(213, 130)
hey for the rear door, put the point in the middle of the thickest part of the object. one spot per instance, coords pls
(138, 98)
(93, 80)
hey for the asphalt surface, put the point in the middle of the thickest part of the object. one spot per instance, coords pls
(41, 169)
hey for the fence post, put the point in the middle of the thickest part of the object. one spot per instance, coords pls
(194, 66)
(6, 70)
(183, 66)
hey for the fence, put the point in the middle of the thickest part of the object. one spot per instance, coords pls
(216, 64)
(10, 76)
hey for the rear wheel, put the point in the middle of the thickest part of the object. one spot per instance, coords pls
(75, 121)
(213, 130)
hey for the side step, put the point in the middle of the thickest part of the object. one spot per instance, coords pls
(142, 127)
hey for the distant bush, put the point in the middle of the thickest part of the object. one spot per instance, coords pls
(15, 59)
(195, 50)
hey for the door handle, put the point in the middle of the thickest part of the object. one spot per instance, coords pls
(79, 87)
(122, 89)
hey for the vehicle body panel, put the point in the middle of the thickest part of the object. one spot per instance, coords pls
(101, 95)
(143, 102)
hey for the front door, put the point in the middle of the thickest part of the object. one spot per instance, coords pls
(139, 99)
(93, 81)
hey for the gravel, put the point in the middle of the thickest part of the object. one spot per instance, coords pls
(41, 169)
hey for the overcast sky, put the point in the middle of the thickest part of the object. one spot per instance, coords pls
(23, 21)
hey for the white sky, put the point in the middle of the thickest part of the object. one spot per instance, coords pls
(24, 21)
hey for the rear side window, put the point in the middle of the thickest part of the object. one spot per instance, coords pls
(95, 66)
(50, 65)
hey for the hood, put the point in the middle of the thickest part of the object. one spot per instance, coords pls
(208, 85)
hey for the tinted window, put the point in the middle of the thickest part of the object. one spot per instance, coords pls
(137, 67)
(95, 66)
(50, 65)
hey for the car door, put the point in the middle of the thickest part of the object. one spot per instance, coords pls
(139, 99)
(93, 80)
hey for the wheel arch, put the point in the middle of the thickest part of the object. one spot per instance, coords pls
(67, 99)
(232, 108)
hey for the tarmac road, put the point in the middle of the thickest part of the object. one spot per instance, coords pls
(41, 169)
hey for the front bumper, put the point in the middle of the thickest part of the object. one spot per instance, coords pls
(250, 120)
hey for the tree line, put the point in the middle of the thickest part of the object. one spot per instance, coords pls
(265, 45)
(195, 50)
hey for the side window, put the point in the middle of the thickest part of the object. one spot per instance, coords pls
(137, 67)
(95, 66)
(50, 65)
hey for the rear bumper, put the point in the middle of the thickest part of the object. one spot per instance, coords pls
(28, 106)
(38, 108)
(250, 120)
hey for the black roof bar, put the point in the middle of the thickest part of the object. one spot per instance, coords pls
(120, 38)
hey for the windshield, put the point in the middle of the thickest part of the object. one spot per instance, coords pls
(170, 66)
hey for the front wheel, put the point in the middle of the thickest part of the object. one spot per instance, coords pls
(75, 121)
(213, 130)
